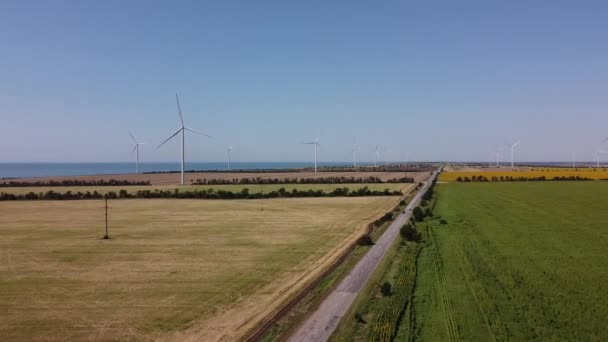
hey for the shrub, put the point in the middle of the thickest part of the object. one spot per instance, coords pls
(418, 214)
(359, 318)
(365, 240)
(386, 289)
(408, 232)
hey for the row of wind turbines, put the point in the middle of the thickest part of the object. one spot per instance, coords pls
(512, 146)
(182, 132)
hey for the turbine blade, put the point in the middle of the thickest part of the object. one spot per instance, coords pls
(134, 148)
(179, 109)
(133, 137)
(169, 138)
(193, 131)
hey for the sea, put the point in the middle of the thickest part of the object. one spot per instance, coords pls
(30, 170)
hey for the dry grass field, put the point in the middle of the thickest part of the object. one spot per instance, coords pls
(173, 269)
(253, 188)
(174, 178)
(528, 172)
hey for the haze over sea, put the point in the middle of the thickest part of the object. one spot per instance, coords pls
(28, 170)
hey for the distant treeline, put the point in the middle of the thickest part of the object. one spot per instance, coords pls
(73, 182)
(196, 194)
(320, 180)
(230, 171)
(520, 179)
(363, 168)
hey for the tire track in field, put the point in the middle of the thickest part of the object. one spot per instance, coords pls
(450, 320)
(483, 299)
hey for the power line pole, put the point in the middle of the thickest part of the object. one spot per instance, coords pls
(106, 237)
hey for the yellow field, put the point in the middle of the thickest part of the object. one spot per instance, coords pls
(549, 173)
(174, 269)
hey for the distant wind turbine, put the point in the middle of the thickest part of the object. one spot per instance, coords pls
(315, 142)
(597, 156)
(182, 130)
(136, 150)
(355, 148)
(229, 149)
(377, 157)
(574, 160)
(498, 149)
(512, 147)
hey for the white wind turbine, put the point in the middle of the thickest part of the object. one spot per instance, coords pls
(355, 148)
(597, 156)
(512, 147)
(377, 157)
(182, 130)
(136, 150)
(498, 150)
(316, 144)
(229, 149)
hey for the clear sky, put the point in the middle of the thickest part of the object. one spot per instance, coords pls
(440, 80)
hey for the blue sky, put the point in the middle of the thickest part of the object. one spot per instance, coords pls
(440, 80)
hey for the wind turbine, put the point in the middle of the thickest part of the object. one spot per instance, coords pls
(182, 130)
(597, 156)
(316, 144)
(355, 148)
(512, 146)
(377, 157)
(574, 160)
(498, 149)
(136, 150)
(229, 149)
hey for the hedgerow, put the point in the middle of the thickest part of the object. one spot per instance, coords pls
(196, 194)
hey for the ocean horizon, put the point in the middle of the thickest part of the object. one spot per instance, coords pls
(51, 169)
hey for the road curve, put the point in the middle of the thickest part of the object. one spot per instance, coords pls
(321, 323)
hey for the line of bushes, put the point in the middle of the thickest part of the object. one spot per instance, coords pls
(320, 180)
(408, 231)
(73, 182)
(197, 194)
(520, 179)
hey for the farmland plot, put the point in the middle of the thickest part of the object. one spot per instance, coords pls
(173, 269)
(515, 261)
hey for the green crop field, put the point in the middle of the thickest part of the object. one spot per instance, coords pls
(253, 188)
(516, 261)
(173, 268)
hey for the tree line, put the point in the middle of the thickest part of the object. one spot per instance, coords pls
(73, 182)
(196, 194)
(409, 231)
(319, 180)
(520, 179)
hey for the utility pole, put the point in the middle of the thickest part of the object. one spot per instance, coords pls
(106, 237)
(262, 196)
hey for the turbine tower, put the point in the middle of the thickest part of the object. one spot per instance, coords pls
(512, 146)
(229, 149)
(597, 156)
(182, 130)
(315, 142)
(574, 160)
(355, 148)
(136, 150)
(377, 157)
